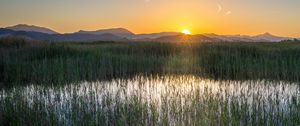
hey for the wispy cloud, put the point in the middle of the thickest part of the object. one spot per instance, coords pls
(219, 8)
(228, 13)
(147, 1)
(223, 11)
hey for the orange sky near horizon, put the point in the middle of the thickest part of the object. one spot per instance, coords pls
(248, 17)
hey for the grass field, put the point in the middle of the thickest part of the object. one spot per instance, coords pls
(111, 83)
(153, 100)
(61, 63)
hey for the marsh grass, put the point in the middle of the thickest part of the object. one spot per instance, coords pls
(153, 100)
(61, 63)
(110, 83)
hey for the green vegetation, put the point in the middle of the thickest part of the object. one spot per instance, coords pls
(110, 83)
(61, 63)
(179, 100)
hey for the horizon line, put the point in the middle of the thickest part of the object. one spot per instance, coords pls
(138, 33)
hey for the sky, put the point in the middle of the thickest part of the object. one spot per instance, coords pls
(250, 17)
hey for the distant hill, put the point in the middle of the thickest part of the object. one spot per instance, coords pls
(23, 34)
(231, 38)
(185, 38)
(155, 35)
(5, 32)
(121, 32)
(269, 37)
(266, 37)
(88, 37)
(31, 28)
(60, 37)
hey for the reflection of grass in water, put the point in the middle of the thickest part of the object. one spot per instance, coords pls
(157, 100)
(62, 63)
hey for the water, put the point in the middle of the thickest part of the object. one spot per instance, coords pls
(159, 100)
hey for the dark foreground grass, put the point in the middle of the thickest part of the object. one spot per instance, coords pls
(62, 63)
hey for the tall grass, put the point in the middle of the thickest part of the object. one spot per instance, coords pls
(70, 62)
(75, 62)
(105, 83)
(156, 100)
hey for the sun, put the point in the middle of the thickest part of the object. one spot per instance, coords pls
(186, 32)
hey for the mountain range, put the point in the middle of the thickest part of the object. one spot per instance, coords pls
(121, 34)
(25, 27)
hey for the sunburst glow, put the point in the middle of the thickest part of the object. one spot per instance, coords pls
(186, 32)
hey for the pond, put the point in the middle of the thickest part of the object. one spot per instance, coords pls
(155, 100)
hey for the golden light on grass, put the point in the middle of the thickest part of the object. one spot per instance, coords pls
(186, 32)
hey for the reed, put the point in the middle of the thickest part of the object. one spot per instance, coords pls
(61, 63)
(111, 83)
(155, 100)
